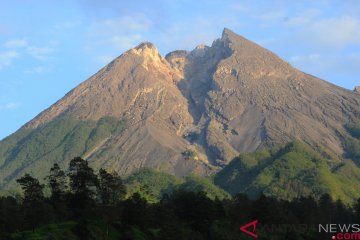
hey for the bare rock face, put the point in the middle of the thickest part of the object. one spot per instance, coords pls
(195, 111)
(357, 89)
(258, 100)
(140, 87)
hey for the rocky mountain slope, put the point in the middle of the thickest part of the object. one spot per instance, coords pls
(190, 112)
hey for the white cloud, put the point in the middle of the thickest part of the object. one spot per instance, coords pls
(303, 18)
(120, 43)
(54, 42)
(336, 32)
(118, 34)
(315, 63)
(35, 70)
(121, 25)
(125, 42)
(105, 59)
(323, 64)
(324, 33)
(189, 33)
(41, 53)
(68, 24)
(305, 58)
(9, 106)
(271, 15)
(16, 43)
(240, 7)
(7, 57)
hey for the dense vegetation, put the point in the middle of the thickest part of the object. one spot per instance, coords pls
(152, 185)
(354, 128)
(290, 172)
(63, 138)
(88, 205)
(352, 143)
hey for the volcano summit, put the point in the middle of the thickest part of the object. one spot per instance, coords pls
(187, 112)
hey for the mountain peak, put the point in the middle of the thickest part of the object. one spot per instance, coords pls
(227, 33)
(200, 50)
(255, 60)
(145, 45)
(201, 46)
(146, 48)
(230, 36)
(190, 112)
(150, 55)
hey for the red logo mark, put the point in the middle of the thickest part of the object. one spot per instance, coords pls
(252, 233)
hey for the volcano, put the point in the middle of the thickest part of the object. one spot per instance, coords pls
(187, 112)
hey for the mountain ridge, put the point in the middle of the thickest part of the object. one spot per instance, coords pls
(187, 112)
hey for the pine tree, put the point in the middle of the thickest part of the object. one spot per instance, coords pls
(57, 183)
(33, 203)
(111, 188)
(357, 210)
(32, 189)
(83, 182)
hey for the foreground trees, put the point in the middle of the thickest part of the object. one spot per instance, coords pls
(32, 189)
(83, 182)
(86, 205)
(57, 183)
(111, 188)
(33, 206)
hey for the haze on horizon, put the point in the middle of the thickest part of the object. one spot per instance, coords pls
(49, 47)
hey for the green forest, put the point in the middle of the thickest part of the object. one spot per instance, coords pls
(79, 203)
(284, 188)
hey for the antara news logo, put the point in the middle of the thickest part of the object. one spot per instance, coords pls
(341, 231)
(251, 232)
(337, 231)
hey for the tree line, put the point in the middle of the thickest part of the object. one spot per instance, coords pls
(86, 198)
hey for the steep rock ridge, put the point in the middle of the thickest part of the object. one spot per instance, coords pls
(188, 112)
(261, 100)
(117, 88)
(196, 69)
(244, 97)
(138, 87)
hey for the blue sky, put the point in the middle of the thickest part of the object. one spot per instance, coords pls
(47, 47)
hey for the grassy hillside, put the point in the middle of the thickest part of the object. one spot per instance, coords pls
(62, 139)
(352, 142)
(201, 184)
(152, 185)
(289, 172)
